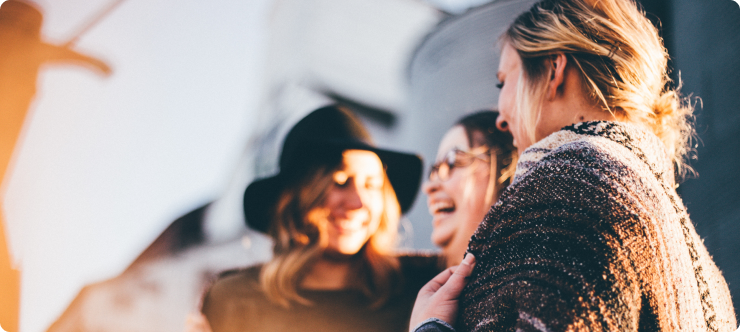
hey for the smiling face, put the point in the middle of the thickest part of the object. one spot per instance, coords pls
(458, 204)
(509, 74)
(354, 202)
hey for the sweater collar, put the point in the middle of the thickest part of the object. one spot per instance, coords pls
(638, 140)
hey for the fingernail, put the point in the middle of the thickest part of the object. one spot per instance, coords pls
(469, 258)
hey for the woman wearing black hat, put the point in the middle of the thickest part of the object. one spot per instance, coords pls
(333, 213)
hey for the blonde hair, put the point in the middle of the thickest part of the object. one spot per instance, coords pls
(503, 170)
(299, 238)
(621, 58)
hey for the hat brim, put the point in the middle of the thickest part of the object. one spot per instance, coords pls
(404, 172)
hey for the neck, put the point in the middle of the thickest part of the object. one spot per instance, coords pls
(571, 105)
(328, 274)
(591, 113)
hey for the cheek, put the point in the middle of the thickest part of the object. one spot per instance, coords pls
(476, 203)
(504, 96)
(502, 109)
(507, 100)
(376, 202)
(376, 207)
(454, 187)
(332, 199)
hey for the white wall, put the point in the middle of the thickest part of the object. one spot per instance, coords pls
(107, 163)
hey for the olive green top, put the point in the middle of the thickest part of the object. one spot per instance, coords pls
(236, 302)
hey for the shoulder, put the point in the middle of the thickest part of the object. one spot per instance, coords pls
(234, 284)
(566, 166)
(565, 150)
(235, 302)
(239, 276)
(599, 147)
(581, 184)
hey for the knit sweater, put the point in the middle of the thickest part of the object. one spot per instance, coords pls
(592, 236)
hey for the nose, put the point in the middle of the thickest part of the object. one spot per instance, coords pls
(501, 124)
(430, 186)
(353, 199)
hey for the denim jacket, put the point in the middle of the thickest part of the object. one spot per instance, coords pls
(434, 325)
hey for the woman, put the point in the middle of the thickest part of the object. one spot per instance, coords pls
(591, 235)
(333, 213)
(475, 162)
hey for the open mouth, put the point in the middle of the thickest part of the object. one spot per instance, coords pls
(442, 207)
(348, 226)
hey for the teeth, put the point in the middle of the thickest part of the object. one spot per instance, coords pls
(350, 225)
(438, 206)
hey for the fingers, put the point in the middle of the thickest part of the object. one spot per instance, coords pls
(456, 282)
(438, 281)
(439, 297)
(466, 267)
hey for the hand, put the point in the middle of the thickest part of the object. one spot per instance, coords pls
(438, 298)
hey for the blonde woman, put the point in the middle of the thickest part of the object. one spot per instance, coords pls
(475, 162)
(333, 213)
(591, 235)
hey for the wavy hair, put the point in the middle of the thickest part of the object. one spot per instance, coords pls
(621, 58)
(298, 229)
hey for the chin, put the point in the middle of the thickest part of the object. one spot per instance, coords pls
(440, 240)
(346, 249)
(334, 255)
(444, 230)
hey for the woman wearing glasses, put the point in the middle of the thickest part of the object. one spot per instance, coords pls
(475, 162)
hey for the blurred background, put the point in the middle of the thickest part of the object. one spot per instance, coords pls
(141, 123)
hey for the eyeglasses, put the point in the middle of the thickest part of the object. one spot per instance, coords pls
(457, 158)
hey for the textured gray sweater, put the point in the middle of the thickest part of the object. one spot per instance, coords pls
(591, 236)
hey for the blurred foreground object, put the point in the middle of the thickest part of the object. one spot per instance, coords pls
(156, 292)
(22, 52)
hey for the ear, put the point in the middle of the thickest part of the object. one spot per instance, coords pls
(557, 74)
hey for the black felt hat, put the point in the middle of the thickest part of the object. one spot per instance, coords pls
(319, 138)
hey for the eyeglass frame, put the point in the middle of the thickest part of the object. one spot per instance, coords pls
(445, 162)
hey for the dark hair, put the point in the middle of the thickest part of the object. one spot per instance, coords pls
(484, 122)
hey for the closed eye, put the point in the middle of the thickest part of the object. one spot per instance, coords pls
(374, 183)
(340, 179)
